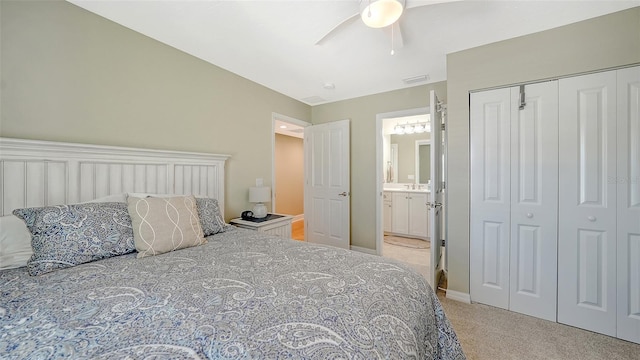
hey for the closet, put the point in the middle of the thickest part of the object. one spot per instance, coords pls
(555, 200)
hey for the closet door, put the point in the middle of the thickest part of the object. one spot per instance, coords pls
(490, 197)
(628, 181)
(534, 200)
(587, 203)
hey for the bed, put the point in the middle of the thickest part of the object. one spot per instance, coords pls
(240, 295)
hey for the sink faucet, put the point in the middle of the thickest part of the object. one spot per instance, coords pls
(413, 186)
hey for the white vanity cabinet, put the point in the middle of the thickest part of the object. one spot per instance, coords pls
(387, 209)
(409, 215)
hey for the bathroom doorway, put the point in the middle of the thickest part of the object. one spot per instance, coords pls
(404, 187)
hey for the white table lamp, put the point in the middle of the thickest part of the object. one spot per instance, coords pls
(259, 195)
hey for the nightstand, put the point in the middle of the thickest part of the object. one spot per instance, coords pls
(273, 224)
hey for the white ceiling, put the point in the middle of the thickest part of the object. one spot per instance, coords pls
(273, 42)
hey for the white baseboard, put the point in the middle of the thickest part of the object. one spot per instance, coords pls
(459, 296)
(364, 250)
(298, 218)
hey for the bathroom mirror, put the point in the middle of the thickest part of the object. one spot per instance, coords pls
(411, 165)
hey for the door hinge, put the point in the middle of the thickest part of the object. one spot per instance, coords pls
(443, 242)
(443, 127)
(523, 102)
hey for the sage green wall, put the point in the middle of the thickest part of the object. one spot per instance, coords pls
(599, 43)
(362, 113)
(70, 75)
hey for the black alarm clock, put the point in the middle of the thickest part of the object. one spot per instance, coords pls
(247, 215)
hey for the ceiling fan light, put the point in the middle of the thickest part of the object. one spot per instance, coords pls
(380, 13)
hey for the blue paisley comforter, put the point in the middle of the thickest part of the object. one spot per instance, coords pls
(244, 295)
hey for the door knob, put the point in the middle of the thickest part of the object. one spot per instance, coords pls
(529, 215)
(434, 205)
(591, 218)
(344, 193)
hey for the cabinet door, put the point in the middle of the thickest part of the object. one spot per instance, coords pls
(386, 212)
(400, 213)
(418, 215)
(534, 201)
(628, 182)
(490, 197)
(587, 203)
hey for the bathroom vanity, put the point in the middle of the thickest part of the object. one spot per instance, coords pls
(406, 212)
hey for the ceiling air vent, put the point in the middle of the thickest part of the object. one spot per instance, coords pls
(313, 100)
(416, 79)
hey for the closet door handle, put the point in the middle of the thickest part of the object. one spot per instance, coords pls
(529, 215)
(591, 218)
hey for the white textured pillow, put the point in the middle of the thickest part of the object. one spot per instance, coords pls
(15, 243)
(162, 225)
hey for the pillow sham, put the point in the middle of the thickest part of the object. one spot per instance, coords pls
(68, 235)
(209, 212)
(15, 243)
(210, 216)
(164, 224)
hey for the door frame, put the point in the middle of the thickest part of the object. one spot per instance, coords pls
(379, 166)
(284, 118)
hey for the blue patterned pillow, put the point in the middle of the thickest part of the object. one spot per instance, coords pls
(210, 216)
(68, 235)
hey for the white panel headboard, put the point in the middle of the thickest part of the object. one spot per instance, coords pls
(40, 173)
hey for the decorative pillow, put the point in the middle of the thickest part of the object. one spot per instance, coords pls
(67, 235)
(164, 224)
(15, 243)
(210, 216)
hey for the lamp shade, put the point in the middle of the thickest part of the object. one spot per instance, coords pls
(259, 194)
(380, 13)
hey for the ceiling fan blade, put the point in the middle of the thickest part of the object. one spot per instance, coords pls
(335, 29)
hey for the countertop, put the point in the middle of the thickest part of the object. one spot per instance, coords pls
(407, 190)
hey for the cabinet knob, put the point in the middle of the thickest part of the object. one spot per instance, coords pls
(591, 218)
(529, 215)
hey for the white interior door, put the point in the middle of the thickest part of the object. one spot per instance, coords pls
(490, 197)
(327, 177)
(587, 203)
(628, 95)
(437, 189)
(534, 201)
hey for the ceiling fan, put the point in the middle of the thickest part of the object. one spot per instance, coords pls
(381, 14)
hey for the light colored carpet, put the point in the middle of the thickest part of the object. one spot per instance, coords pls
(418, 259)
(407, 242)
(486, 332)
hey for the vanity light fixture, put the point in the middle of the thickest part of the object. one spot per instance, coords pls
(398, 129)
(417, 128)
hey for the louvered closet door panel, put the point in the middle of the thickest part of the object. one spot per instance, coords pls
(490, 197)
(534, 201)
(629, 204)
(587, 203)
